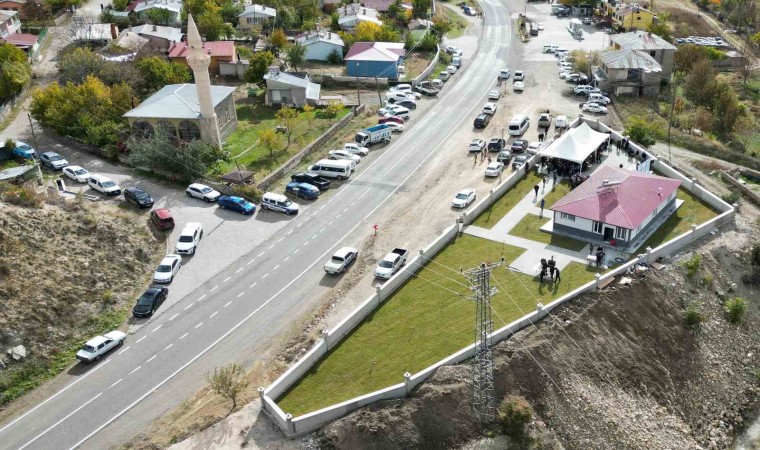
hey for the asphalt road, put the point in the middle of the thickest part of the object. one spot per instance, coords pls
(254, 299)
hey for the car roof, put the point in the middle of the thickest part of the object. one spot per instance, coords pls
(153, 290)
(162, 213)
(274, 196)
(72, 167)
(99, 177)
(136, 190)
(495, 164)
(51, 154)
(97, 340)
(198, 185)
(466, 191)
(169, 258)
(342, 252)
(191, 226)
(230, 197)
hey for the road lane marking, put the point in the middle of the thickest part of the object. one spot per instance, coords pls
(201, 297)
(330, 223)
(271, 247)
(134, 370)
(280, 240)
(238, 271)
(214, 288)
(322, 207)
(188, 306)
(296, 251)
(305, 244)
(123, 351)
(115, 383)
(276, 267)
(183, 336)
(265, 275)
(173, 317)
(240, 294)
(254, 284)
(59, 422)
(251, 261)
(338, 216)
(323, 229)
(199, 325)
(227, 304)
(289, 233)
(353, 203)
(151, 358)
(156, 329)
(138, 341)
(286, 258)
(299, 225)
(345, 210)
(365, 193)
(259, 255)
(168, 347)
(227, 279)
(212, 315)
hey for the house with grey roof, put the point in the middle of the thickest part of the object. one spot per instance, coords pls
(288, 89)
(351, 15)
(658, 48)
(254, 15)
(320, 44)
(174, 7)
(175, 109)
(629, 72)
(159, 37)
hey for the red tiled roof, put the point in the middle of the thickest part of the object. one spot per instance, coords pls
(21, 39)
(380, 51)
(217, 48)
(625, 204)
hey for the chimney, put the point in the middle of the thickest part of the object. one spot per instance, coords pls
(274, 70)
(155, 28)
(114, 31)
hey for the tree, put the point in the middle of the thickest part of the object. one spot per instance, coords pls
(159, 72)
(228, 381)
(296, 55)
(745, 129)
(278, 39)
(211, 25)
(157, 152)
(440, 26)
(15, 71)
(387, 34)
(288, 117)
(726, 107)
(515, 414)
(159, 16)
(420, 8)
(688, 55)
(8, 147)
(334, 57)
(641, 130)
(660, 28)
(333, 108)
(700, 83)
(308, 111)
(366, 32)
(78, 64)
(259, 65)
(269, 139)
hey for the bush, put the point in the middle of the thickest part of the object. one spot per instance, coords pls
(707, 280)
(735, 309)
(515, 413)
(692, 317)
(731, 198)
(21, 196)
(247, 191)
(692, 264)
(334, 57)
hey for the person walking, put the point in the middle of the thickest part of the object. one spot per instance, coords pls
(557, 278)
(535, 189)
(542, 275)
(544, 183)
(543, 202)
(591, 248)
(555, 176)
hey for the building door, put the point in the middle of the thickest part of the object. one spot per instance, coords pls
(609, 233)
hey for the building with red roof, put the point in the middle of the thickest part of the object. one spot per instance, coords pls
(615, 205)
(220, 51)
(374, 59)
(26, 42)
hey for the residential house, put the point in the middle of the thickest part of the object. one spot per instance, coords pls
(374, 59)
(219, 51)
(629, 72)
(142, 7)
(290, 89)
(320, 44)
(160, 38)
(131, 40)
(658, 48)
(26, 9)
(615, 205)
(256, 15)
(419, 24)
(629, 16)
(378, 5)
(9, 23)
(29, 43)
(93, 33)
(353, 14)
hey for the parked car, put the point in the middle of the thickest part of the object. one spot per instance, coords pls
(76, 173)
(568, 76)
(162, 219)
(237, 204)
(188, 240)
(408, 103)
(594, 108)
(395, 110)
(53, 160)
(97, 347)
(544, 120)
(342, 154)
(312, 179)
(406, 88)
(391, 118)
(340, 260)
(598, 98)
(395, 127)
(451, 69)
(279, 203)
(476, 145)
(302, 190)
(504, 74)
(534, 147)
(397, 96)
(463, 198)
(103, 184)
(452, 49)
(583, 89)
(138, 197)
(167, 269)
(203, 192)
(149, 301)
(489, 108)
(504, 156)
(494, 94)
(496, 144)
(494, 169)
(391, 263)
(519, 146)
(21, 150)
(518, 86)
(444, 75)
(561, 122)
(481, 121)
(518, 162)
(519, 75)
(353, 147)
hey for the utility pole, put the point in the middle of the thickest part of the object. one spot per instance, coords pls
(483, 398)
(672, 107)
(358, 95)
(377, 86)
(34, 135)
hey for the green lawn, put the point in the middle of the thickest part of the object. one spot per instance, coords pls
(529, 228)
(458, 24)
(253, 117)
(427, 319)
(493, 214)
(557, 192)
(692, 211)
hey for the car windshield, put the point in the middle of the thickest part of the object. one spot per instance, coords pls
(88, 348)
(461, 196)
(164, 268)
(386, 264)
(142, 196)
(206, 190)
(185, 238)
(239, 201)
(55, 157)
(337, 259)
(288, 203)
(146, 299)
(80, 172)
(108, 184)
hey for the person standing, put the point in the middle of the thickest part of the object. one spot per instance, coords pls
(555, 176)
(535, 189)
(543, 202)
(591, 248)
(544, 182)
(557, 278)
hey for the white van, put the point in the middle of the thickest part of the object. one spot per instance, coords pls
(339, 168)
(518, 125)
(561, 122)
(278, 202)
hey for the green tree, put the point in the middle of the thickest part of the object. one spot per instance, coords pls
(269, 140)
(15, 71)
(660, 28)
(78, 64)
(334, 57)
(641, 130)
(515, 414)
(420, 8)
(228, 381)
(278, 39)
(366, 32)
(726, 107)
(259, 65)
(440, 26)
(120, 5)
(288, 117)
(211, 25)
(387, 34)
(159, 16)
(700, 83)
(686, 56)
(296, 55)
(308, 112)
(159, 72)
(333, 108)
(157, 152)
(735, 309)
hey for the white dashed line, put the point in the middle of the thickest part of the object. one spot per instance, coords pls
(305, 243)
(138, 341)
(238, 271)
(183, 336)
(280, 240)
(199, 325)
(345, 210)
(115, 383)
(329, 200)
(212, 315)
(60, 421)
(227, 304)
(134, 370)
(353, 203)
(299, 225)
(188, 306)
(289, 233)
(271, 247)
(173, 317)
(276, 267)
(330, 223)
(265, 275)
(254, 284)
(315, 236)
(240, 294)
(259, 255)
(227, 279)
(296, 251)
(168, 347)
(286, 258)
(202, 297)
(156, 329)
(338, 216)
(123, 351)
(214, 288)
(323, 229)
(151, 358)
(322, 207)
(251, 261)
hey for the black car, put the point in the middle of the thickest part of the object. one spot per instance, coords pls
(519, 146)
(411, 104)
(150, 300)
(482, 121)
(138, 197)
(504, 156)
(312, 179)
(496, 145)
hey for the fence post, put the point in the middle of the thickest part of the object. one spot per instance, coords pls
(289, 424)
(693, 231)
(598, 277)
(407, 382)
(261, 390)
(325, 335)
(649, 255)
(540, 312)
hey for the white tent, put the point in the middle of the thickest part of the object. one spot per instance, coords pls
(576, 144)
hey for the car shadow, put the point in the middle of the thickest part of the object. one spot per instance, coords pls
(232, 216)
(330, 280)
(273, 216)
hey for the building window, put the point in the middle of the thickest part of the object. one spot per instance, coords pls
(165, 127)
(598, 227)
(189, 131)
(621, 233)
(652, 53)
(569, 217)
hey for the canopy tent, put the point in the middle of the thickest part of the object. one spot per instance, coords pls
(576, 144)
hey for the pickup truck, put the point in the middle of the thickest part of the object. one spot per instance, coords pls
(391, 263)
(427, 88)
(98, 346)
(544, 120)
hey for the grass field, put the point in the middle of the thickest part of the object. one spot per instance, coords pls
(529, 228)
(557, 192)
(427, 319)
(493, 214)
(458, 24)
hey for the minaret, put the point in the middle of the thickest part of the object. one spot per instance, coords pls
(199, 61)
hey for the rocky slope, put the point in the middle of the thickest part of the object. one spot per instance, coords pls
(613, 369)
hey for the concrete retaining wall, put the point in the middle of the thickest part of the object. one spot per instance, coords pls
(749, 193)
(429, 68)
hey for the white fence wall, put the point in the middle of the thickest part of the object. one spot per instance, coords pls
(297, 370)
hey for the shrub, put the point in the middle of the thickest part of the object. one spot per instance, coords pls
(707, 280)
(515, 413)
(735, 309)
(108, 296)
(692, 264)
(21, 196)
(692, 317)
(247, 191)
(731, 198)
(334, 57)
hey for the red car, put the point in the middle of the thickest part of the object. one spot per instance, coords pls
(390, 118)
(162, 219)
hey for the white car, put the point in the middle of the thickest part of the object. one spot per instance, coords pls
(518, 86)
(95, 348)
(594, 108)
(452, 49)
(406, 89)
(395, 110)
(353, 147)
(477, 145)
(504, 74)
(76, 173)
(519, 75)
(463, 198)
(103, 184)
(395, 127)
(534, 147)
(202, 192)
(392, 97)
(494, 169)
(342, 154)
(167, 268)
(569, 75)
(451, 69)
(489, 108)
(494, 94)
(188, 240)
(340, 261)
